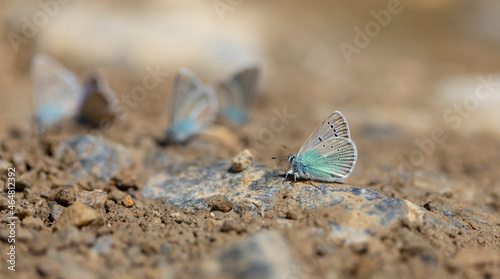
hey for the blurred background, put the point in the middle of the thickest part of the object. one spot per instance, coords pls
(396, 69)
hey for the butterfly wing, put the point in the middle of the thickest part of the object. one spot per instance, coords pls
(193, 106)
(331, 161)
(334, 126)
(99, 101)
(56, 92)
(329, 154)
(237, 94)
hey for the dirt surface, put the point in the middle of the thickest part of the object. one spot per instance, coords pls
(413, 144)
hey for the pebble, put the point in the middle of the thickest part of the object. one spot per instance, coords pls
(65, 196)
(221, 205)
(55, 210)
(242, 161)
(127, 201)
(95, 199)
(78, 215)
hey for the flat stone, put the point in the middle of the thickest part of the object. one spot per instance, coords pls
(94, 156)
(210, 187)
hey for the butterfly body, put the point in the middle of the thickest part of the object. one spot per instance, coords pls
(327, 155)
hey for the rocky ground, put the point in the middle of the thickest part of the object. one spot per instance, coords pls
(422, 202)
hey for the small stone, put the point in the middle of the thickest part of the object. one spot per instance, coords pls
(230, 225)
(78, 215)
(127, 201)
(95, 199)
(55, 210)
(218, 204)
(65, 196)
(116, 195)
(125, 183)
(32, 223)
(242, 161)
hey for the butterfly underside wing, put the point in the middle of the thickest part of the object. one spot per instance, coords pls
(99, 102)
(237, 94)
(56, 92)
(193, 107)
(328, 154)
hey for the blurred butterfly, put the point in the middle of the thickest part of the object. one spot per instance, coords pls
(58, 95)
(99, 102)
(193, 107)
(328, 154)
(237, 94)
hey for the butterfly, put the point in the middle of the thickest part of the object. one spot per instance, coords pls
(237, 94)
(99, 102)
(58, 95)
(193, 107)
(328, 154)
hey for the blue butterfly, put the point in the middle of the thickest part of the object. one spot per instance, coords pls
(193, 107)
(328, 154)
(237, 94)
(58, 95)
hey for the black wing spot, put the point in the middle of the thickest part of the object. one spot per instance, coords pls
(323, 145)
(328, 122)
(320, 139)
(331, 146)
(331, 126)
(336, 135)
(334, 130)
(338, 149)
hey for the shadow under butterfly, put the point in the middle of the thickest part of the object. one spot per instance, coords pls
(328, 155)
(58, 95)
(193, 107)
(237, 94)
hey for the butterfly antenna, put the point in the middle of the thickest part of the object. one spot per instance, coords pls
(287, 149)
